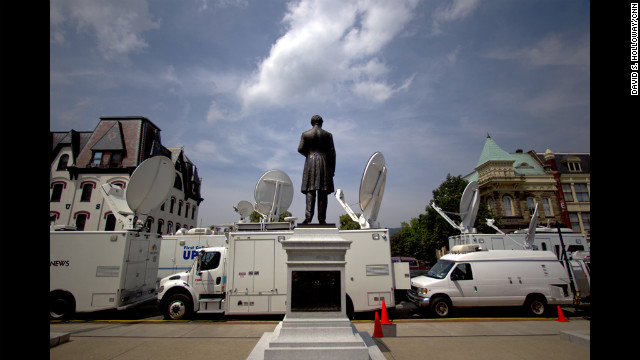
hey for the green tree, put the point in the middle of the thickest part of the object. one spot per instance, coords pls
(346, 223)
(410, 239)
(255, 216)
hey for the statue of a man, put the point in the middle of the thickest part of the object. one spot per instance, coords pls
(316, 145)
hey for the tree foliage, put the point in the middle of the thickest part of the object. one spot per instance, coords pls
(346, 223)
(255, 216)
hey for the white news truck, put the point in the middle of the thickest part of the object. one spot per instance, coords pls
(533, 279)
(100, 270)
(178, 252)
(249, 276)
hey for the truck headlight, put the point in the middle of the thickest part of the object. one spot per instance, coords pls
(422, 291)
(161, 289)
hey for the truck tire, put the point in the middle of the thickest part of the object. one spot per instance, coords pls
(441, 307)
(62, 305)
(350, 311)
(177, 307)
(535, 305)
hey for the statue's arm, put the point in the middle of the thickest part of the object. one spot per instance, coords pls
(301, 148)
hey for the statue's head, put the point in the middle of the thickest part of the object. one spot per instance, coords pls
(316, 120)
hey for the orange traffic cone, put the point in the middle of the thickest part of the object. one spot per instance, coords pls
(377, 328)
(385, 318)
(561, 315)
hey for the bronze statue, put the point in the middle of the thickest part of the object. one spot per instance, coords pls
(316, 145)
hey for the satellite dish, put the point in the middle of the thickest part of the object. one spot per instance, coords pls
(150, 184)
(531, 234)
(273, 194)
(469, 204)
(372, 185)
(244, 208)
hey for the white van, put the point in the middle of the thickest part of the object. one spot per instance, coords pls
(533, 279)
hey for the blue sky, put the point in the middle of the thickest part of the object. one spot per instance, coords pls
(235, 82)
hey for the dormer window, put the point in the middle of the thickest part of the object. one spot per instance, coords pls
(62, 163)
(573, 164)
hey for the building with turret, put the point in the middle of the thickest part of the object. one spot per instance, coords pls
(513, 183)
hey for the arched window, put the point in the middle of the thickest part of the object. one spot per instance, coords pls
(56, 192)
(110, 224)
(508, 206)
(169, 227)
(160, 223)
(81, 220)
(87, 189)
(173, 201)
(492, 206)
(531, 204)
(62, 163)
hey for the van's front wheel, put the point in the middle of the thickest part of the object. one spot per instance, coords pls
(441, 307)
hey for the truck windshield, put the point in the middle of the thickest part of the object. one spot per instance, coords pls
(441, 269)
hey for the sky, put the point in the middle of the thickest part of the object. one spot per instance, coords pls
(236, 82)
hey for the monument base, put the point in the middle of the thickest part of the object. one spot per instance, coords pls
(316, 325)
(317, 338)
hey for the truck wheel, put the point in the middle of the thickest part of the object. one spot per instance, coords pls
(441, 307)
(61, 305)
(535, 305)
(177, 307)
(350, 311)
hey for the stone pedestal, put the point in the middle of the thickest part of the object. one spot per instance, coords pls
(316, 324)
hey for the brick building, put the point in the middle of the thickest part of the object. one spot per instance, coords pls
(512, 183)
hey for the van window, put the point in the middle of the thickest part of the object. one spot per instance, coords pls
(440, 269)
(462, 272)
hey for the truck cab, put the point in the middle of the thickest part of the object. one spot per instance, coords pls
(199, 289)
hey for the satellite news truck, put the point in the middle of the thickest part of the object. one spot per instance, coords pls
(101, 270)
(249, 276)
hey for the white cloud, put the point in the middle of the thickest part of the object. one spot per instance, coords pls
(329, 48)
(452, 11)
(553, 49)
(218, 113)
(117, 25)
(206, 152)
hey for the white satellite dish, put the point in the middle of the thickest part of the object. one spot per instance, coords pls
(469, 204)
(273, 194)
(372, 186)
(148, 187)
(531, 233)
(244, 208)
(150, 184)
(374, 179)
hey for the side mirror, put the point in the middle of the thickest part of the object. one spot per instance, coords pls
(199, 265)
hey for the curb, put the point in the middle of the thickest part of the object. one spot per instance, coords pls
(56, 339)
